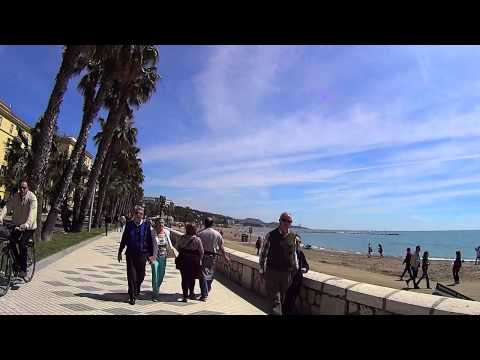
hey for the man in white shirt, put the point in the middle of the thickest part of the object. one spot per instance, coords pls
(212, 242)
(24, 207)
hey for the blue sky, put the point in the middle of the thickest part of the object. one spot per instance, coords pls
(351, 137)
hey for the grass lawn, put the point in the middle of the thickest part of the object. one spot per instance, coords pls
(61, 241)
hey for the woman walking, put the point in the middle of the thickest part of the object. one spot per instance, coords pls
(189, 259)
(162, 236)
(425, 264)
(457, 264)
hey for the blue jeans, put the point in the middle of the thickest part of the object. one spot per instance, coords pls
(205, 287)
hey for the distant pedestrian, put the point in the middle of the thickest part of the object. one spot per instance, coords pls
(370, 250)
(212, 242)
(380, 250)
(108, 220)
(293, 291)
(278, 261)
(477, 257)
(425, 264)
(141, 246)
(189, 260)
(406, 261)
(457, 264)
(414, 264)
(258, 244)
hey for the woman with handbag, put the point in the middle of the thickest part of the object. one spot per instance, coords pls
(189, 260)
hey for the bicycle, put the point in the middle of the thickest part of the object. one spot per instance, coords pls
(8, 268)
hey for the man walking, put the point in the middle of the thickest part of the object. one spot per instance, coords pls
(415, 264)
(258, 244)
(278, 260)
(141, 246)
(24, 206)
(212, 242)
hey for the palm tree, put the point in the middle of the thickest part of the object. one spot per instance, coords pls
(74, 59)
(94, 86)
(121, 148)
(134, 87)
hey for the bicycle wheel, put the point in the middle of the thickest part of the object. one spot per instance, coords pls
(30, 261)
(5, 273)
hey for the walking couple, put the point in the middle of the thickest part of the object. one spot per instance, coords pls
(412, 264)
(198, 252)
(144, 242)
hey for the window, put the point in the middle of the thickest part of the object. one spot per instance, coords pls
(11, 128)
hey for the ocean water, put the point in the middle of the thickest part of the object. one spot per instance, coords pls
(439, 244)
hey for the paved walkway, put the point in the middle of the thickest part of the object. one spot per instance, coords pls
(90, 281)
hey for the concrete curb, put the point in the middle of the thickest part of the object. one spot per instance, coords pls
(57, 256)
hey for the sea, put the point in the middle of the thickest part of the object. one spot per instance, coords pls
(441, 245)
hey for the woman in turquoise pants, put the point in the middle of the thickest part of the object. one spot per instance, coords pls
(158, 266)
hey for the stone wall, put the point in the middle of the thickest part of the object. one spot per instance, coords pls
(331, 295)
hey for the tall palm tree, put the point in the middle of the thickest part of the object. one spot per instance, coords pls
(134, 87)
(74, 59)
(94, 86)
(121, 148)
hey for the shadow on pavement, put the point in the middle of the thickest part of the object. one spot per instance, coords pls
(248, 295)
(123, 296)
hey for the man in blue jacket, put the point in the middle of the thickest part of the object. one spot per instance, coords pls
(141, 246)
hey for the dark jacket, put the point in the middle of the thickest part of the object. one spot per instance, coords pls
(138, 239)
(407, 260)
(302, 262)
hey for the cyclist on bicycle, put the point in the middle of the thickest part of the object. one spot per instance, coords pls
(24, 206)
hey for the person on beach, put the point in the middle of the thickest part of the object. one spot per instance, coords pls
(415, 264)
(189, 260)
(406, 261)
(477, 257)
(370, 250)
(162, 237)
(141, 247)
(457, 264)
(425, 264)
(278, 261)
(212, 242)
(293, 291)
(258, 244)
(380, 250)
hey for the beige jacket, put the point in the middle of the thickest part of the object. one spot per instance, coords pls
(24, 211)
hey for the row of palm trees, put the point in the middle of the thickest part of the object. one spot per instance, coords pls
(118, 78)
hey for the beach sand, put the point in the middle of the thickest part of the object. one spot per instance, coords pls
(374, 270)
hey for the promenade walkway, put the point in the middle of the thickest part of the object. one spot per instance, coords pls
(90, 281)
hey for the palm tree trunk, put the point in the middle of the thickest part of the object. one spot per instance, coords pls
(91, 111)
(49, 118)
(77, 195)
(105, 178)
(112, 123)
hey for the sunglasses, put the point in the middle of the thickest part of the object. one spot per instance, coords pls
(23, 188)
(287, 221)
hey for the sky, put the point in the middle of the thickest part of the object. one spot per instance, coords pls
(343, 137)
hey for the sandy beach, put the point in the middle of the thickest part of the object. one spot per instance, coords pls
(383, 271)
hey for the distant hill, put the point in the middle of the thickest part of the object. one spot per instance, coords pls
(251, 222)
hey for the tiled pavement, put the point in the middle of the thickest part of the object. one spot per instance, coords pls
(90, 281)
